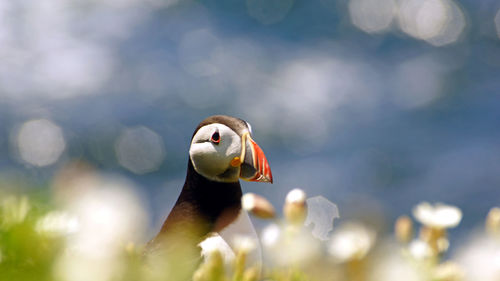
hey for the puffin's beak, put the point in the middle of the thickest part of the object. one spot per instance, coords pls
(254, 165)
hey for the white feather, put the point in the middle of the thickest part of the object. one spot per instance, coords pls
(240, 235)
(216, 243)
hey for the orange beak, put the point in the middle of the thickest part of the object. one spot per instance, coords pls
(254, 165)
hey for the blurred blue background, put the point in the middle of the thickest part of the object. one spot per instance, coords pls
(375, 104)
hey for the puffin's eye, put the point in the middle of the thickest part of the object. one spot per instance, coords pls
(215, 137)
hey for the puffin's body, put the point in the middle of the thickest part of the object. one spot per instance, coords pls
(210, 204)
(222, 151)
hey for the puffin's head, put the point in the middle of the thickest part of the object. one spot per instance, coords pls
(222, 149)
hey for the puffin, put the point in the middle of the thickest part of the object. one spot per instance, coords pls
(222, 152)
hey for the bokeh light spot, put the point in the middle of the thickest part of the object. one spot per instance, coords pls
(196, 51)
(372, 15)
(109, 214)
(418, 82)
(431, 18)
(439, 22)
(140, 150)
(73, 70)
(40, 142)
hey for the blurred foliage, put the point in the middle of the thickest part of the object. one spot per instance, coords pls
(25, 254)
(33, 247)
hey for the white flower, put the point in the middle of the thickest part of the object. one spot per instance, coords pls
(107, 215)
(57, 223)
(270, 235)
(245, 243)
(257, 205)
(448, 271)
(403, 229)
(390, 266)
(437, 216)
(296, 195)
(420, 250)
(480, 259)
(351, 242)
(216, 243)
(493, 221)
(287, 245)
(295, 209)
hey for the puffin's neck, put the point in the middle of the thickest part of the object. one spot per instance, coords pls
(209, 204)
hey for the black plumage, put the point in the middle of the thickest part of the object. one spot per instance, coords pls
(203, 206)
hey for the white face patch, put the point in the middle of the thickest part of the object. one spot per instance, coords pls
(213, 159)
